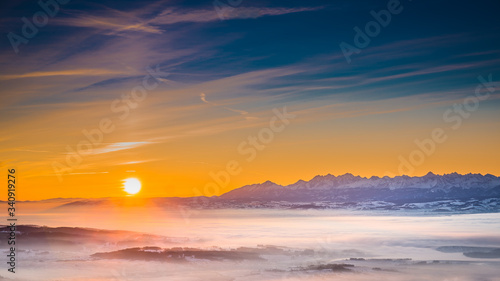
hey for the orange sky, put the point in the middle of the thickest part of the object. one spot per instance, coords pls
(364, 145)
(171, 99)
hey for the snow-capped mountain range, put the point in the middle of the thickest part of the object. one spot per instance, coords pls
(350, 188)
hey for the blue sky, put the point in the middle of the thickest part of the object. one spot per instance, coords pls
(193, 44)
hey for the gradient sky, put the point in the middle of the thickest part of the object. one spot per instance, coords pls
(220, 81)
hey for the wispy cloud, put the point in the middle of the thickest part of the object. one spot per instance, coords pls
(203, 98)
(172, 16)
(242, 112)
(118, 146)
(433, 70)
(110, 23)
(32, 150)
(74, 72)
(137, 162)
(87, 173)
(113, 21)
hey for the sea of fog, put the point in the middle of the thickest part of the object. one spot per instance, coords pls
(392, 246)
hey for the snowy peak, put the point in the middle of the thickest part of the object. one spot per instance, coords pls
(253, 191)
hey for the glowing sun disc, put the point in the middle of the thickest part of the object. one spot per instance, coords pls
(131, 185)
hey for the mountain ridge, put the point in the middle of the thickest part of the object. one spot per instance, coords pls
(347, 187)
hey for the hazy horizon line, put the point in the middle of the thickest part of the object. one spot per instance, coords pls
(300, 180)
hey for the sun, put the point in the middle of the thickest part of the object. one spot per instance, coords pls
(131, 186)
